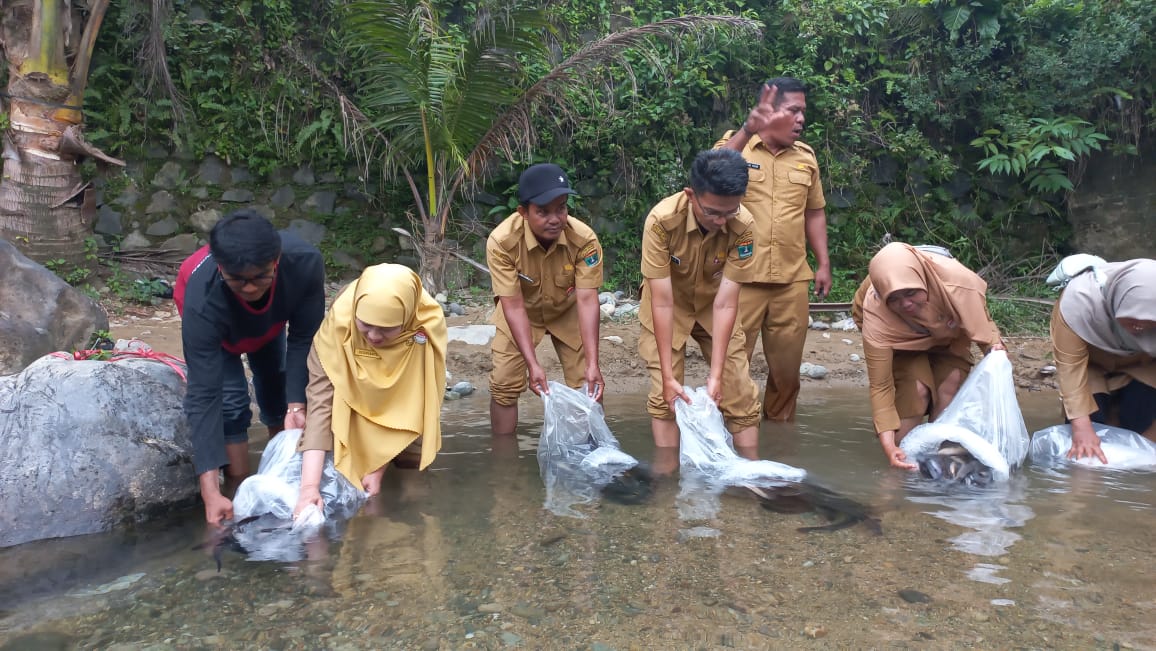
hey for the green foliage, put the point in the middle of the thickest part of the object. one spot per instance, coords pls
(958, 122)
(1037, 152)
(239, 95)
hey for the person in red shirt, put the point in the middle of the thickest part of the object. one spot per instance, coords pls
(259, 293)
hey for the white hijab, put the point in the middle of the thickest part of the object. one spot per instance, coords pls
(1128, 291)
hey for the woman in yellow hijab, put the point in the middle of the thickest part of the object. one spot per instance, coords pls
(920, 312)
(376, 382)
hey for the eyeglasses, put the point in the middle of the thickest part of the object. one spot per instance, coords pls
(711, 213)
(257, 281)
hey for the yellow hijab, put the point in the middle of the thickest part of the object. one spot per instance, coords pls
(384, 398)
(955, 314)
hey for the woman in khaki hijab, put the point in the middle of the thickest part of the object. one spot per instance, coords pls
(1104, 340)
(376, 382)
(920, 312)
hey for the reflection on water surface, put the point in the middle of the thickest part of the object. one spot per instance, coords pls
(465, 557)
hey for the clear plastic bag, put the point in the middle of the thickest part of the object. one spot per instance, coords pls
(577, 453)
(984, 417)
(274, 489)
(706, 448)
(1125, 449)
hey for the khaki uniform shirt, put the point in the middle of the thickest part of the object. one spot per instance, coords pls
(674, 247)
(546, 278)
(780, 189)
(1084, 370)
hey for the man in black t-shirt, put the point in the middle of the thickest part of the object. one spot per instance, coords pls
(235, 297)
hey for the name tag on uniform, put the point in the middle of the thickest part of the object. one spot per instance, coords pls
(526, 278)
(754, 166)
(675, 260)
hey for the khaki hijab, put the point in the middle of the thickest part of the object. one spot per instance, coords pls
(384, 398)
(1129, 291)
(955, 314)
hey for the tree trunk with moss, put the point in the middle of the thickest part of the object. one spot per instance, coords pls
(46, 207)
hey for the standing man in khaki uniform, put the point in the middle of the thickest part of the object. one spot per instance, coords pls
(545, 269)
(697, 246)
(785, 196)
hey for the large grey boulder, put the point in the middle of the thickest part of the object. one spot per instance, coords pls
(88, 445)
(39, 312)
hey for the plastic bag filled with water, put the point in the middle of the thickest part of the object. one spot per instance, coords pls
(272, 495)
(984, 418)
(706, 448)
(577, 453)
(1125, 449)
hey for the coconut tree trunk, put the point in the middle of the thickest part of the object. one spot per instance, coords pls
(46, 207)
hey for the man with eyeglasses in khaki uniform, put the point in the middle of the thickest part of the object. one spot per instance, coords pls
(697, 247)
(785, 195)
(545, 269)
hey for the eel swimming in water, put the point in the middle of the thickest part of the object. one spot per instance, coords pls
(840, 511)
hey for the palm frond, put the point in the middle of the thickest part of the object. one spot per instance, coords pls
(152, 58)
(512, 133)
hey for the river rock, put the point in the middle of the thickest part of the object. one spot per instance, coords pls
(625, 310)
(606, 298)
(164, 228)
(205, 220)
(237, 195)
(212, 171)
(463, 388)
(813, 371)
(845, 325)
(108, 221)
(39, 312)
(169, 176)
(88, 445)
(320, 202)
(474, 335)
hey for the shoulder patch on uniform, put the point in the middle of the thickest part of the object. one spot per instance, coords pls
(658, 231)
(745, 245)
(591, 254)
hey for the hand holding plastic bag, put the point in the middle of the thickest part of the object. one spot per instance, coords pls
(707, 448)
(1124, 449)
(272, 495)
(984, 417)
(577, 453)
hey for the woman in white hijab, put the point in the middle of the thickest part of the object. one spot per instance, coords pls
(1104, 339)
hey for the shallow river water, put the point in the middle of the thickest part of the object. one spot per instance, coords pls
(465, 557)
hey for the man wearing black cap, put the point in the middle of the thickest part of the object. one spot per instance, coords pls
(545, 269)
(235, 297)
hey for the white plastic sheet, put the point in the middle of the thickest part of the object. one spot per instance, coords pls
(577, 453)
(272, 495)
(707, 448)
(984, 417)
(1125, 449)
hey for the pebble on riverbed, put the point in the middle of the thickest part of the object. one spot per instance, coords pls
(813, 371)
(914, 596)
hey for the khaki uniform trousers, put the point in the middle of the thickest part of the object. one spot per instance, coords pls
(740, 394)
(510, 375)
(779, 313)
(927, 367)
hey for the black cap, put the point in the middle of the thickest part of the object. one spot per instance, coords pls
(542, 183)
